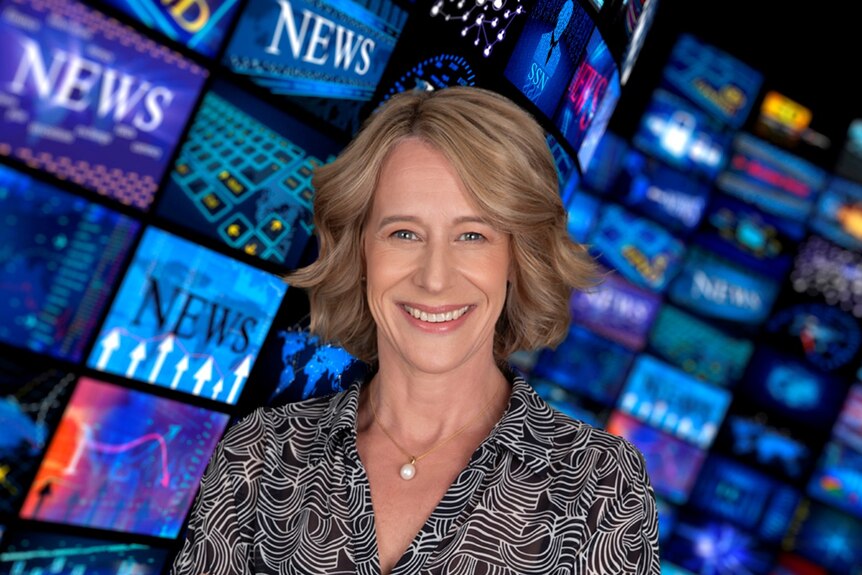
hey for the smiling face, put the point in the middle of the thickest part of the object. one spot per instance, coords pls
(436, 270)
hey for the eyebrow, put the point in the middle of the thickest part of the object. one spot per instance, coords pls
(399, 218)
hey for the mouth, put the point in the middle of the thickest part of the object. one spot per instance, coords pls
(441, 317)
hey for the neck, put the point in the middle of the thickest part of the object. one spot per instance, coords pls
(422, 408)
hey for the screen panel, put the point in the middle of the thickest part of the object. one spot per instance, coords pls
(837, 479)
(672, 464)
(639, 249)
(751, 438)
(850, 159)
(586, 364)
(670, 197)
(31, 402)
(586, 91)
(827, 338)
(742, 233)
(124, 460)
(29, 552)
(305, 367)
(699, 348)
(681, 135)
(728, 490)
(243, 177)
(599, 124)
(771, 179)
(848, 426)
(616, 310)
(838, 214)
(601, 172)
(485, 25)
(826, 537)
(62, 257)
(713, 79)
(199, 24)
(326, 56)
(703, 544)
(548, 51)
(674, 402)
(187, 318)
(782, 384)
(829, 272)
(719, 289)
(91, 100)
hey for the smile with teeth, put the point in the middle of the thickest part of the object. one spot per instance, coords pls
(436, 317)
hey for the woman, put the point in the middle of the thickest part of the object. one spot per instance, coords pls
(443, 248)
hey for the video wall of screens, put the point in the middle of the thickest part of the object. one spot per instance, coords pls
(156, 163)
(725, 341)
(156, 183)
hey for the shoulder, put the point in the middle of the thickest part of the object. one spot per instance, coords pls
(301, 426)
(578, 445)
(576, 437)
(568, 445)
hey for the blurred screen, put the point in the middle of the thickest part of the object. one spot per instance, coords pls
(699, 348)
(838, 214)
(124, 460)
(616, 310)
(771, 179)
(639, 249)
(672, 464)
(720, 289)
(668, 196)
(199, 24)
(713, 79)
(90, 100)
(673, 401)
(586, 364)
(31, 401)
(681, 135)
(35, 553)
(61, 257)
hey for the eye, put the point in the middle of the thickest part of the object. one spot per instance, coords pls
(471, 237)
(404, 235)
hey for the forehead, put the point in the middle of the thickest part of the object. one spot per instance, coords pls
(416, 175)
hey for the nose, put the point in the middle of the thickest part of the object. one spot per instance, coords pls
(435, 269)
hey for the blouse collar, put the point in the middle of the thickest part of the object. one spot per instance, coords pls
(526, 428)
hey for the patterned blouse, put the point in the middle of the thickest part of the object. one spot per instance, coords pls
(285, 492)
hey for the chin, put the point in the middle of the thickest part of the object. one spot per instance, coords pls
(437, 367)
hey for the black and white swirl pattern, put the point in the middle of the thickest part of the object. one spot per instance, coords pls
(286, 493)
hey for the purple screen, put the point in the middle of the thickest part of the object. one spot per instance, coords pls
(91, 100)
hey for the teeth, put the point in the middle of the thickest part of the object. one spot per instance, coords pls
(436, 317)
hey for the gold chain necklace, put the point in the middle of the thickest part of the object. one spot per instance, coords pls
(408, 470)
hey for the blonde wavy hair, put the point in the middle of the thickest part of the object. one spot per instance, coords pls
(501, 155)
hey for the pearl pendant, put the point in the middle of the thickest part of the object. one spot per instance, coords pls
(408, 471)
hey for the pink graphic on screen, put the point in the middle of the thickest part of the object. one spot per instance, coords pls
(124, 460)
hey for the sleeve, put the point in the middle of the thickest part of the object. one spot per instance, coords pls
(643, 549)
(625, 540)
(217, 540)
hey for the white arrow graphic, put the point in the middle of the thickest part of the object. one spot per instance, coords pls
(165, 348)
(138, 355)
(241, 373)
(110, 344)
(203, 375)
(218, 388)
(181, 368)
